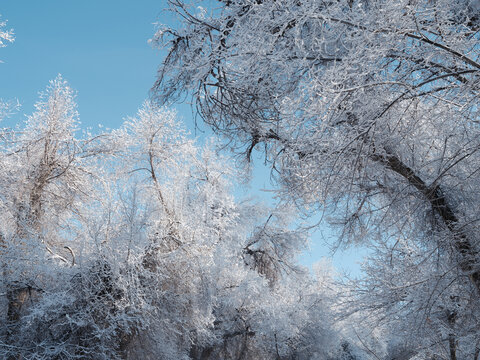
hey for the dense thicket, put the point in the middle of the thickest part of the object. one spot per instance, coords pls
(128, 244)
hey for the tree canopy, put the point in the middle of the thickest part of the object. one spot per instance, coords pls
(367, 111)
(129, 244)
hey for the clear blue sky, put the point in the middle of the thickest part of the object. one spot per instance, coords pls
(100, 47)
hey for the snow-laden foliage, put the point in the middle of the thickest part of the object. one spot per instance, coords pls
(367, 111)
(129, 245)
(6, 36)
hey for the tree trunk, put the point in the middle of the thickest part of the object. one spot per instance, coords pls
(434, 195)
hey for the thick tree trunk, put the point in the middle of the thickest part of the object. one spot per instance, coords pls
(452, 343)
(434, 195)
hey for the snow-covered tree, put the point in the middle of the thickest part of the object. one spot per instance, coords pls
(367, 111)
(6, 36)
(129, 244)
(45, 181)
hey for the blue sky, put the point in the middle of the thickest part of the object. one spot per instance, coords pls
(101, 48)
